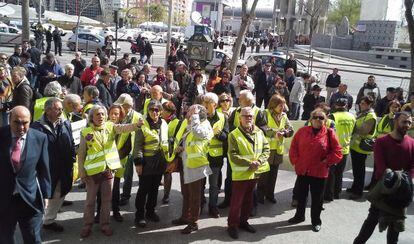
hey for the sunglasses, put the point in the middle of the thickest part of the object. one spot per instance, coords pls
(318, 117)
(3, 58)
(154, 110)
(225, 100)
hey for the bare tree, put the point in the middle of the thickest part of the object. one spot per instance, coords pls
(247, 17)
(410, 22)
(79, 7)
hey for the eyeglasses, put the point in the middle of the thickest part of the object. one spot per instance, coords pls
(247, 116)
(3, 58)
(225, 100)
(154, 110)
(318, 117)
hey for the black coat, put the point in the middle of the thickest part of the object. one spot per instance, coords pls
(106, 94)
(332, 81)
(262, 83)
(291, 63)
(61, 148)
(309, 103)
(22, 95)
(73, 85)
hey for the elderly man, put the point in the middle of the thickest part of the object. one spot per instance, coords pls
(53, 89)
(242, 81)
(91, 74)
(342, 93)
(127, 85)
(156, 94)
(61, 148)
(49, 71)
(22, 92)
(216, 149)
(72, 107)
(248, 153)
(69, 81)
(24, 178)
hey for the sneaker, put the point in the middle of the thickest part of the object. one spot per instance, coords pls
(233, 233)
(296, 220)
(152, 217)
(214, 213)
(271, 199)
(140, 223)
(118, 217)
(107, 231)
(190, 228)
(247, 227)
(53, 227)
(179, 221)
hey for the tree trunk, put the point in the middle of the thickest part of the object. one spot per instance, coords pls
(410, 22)
(25, 21)
(77, 34)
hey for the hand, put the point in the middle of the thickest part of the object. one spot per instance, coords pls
(138, 169)
(279, 134)
(140, 122)
(254, 165)
(179, 149)
(170, 167)
(216, 131)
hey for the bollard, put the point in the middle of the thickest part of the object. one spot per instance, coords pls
(87, 48)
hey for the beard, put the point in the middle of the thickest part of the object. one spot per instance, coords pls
(402, 131)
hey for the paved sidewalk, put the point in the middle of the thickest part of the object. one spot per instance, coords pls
(342, 220)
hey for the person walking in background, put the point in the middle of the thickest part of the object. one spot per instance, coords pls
(57, 40)
(313, 149)
(332, 83)
(49, 38)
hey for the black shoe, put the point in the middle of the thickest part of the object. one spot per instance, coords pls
(224, 204)
(53, 227)
(355, 196)
(271, 199)
(233, 233)
(67, 203)
(140, 223)
(152, 217)
(253, 212)
(296, 220)
(189, 228)
(123, 201)
(294, 203)
(118, 217)
(179, 221)
(247, 227)
(316, 228)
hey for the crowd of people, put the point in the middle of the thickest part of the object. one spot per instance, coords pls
(182, 120)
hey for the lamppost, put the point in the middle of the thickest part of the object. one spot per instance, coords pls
(167, 51)
(275, 20)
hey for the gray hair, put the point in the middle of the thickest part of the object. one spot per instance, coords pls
(210, 97)
(92, 91)
(49, 103)
(69, 66)
(95, 108)
(72, 98)
(248, 95)
(20, 71)
(53, 89)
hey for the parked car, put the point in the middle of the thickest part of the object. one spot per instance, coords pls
(218, 56)
(108, 31)
(280, 63)
(10, 35)
(149, 35)
(88, 40)
(124, 34)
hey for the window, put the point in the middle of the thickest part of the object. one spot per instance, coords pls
(403, 66)
(3, 29)
(379, 56)
(403, 58)
(82, 36)
(14, 31)
(391, 57)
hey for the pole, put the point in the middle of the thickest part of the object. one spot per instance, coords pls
(148, 14)
(274, 16)
(39, 17)
(215, 18)
(330, 51)
(167, 51)
(25, 21)
(116, 33)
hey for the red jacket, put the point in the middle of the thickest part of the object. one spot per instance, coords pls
(89, 77)
(310, 153)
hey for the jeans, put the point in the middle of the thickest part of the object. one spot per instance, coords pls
(213, 188)
(369, 226)
(358, 170)
(316, 186)
(294, 111)
(147, 195)
(334, 183)
(128, 175)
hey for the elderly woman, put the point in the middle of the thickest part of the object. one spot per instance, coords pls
(313, 149)
(276, 130)
(90, 98)
(225, 104)
(52, 89)
(116, 115)
(68, 81)
(195, 165)
(362, 144)
(98, 160)
(72, 107)
(150, 153)
(216, 150)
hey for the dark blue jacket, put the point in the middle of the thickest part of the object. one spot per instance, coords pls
(43, 71)
(33, 178)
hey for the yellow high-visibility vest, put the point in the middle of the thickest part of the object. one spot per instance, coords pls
(274, 142)
(216, 146)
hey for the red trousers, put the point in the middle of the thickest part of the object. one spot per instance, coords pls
(241, 202)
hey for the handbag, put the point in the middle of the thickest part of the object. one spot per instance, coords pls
(367, 144)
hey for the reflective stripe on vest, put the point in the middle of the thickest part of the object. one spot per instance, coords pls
(250, 153)
(356, 139)
(274, 142)
(196, 150)
(177, 138)
(100, 154)
(39, 108)
(216, 146)
(152, 143)
(236, 122)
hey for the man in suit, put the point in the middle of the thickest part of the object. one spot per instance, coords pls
(24, 178)
(262, 85)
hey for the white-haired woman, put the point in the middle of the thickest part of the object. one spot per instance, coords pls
(98, 160)
(52, 89)
(69, 81)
